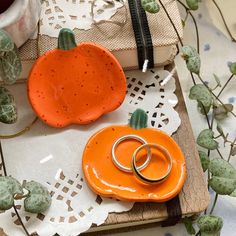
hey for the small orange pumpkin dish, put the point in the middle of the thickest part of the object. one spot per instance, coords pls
(75, 84)
(105, 179)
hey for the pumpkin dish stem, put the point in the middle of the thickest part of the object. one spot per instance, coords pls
(75, 84)
(66, 39)
(138, 119)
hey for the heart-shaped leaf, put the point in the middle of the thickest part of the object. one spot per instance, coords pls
(8, 112)
(201, 94)
(221, 185)
(210, 225)
(192, 59)
(204, 160)
(224, 177)
(206, 139)
(221, 168)
(194, 64)
(232, 68)
(192, 4)
(150, 6)
(10, 66)
(39, 199)
(8, 188)
(6, 43)
(221, 111)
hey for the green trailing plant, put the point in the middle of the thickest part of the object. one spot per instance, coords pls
(36, 200)
(206, 139)
(192, 59)
(36, 197)
(221, 174)
(10, 64)
(10, 69)
(203, 96)
(223, 177)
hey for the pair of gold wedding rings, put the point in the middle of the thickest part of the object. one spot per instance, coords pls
(135, 169)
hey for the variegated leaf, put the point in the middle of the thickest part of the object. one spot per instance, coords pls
(10, 66)
(6, 44)
(200, 93)
(206, 140)
(39, 199)
(210, 225)
(8, 112)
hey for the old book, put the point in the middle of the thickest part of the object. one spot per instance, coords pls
(123, 45)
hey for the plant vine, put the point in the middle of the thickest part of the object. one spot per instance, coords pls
(37, 199)
(14, 207)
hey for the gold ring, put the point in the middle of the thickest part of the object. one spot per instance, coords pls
(137, 172)
(128, 137)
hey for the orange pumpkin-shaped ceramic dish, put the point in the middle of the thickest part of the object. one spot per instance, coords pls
(75, 84)
(107, 180)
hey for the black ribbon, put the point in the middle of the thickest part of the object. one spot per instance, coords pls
(174, 212)
(141, 27)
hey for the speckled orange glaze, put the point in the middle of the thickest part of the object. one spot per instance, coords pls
(107, 180)
(76, 86)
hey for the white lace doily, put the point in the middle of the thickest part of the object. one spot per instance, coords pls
(57, 14)
(53, 157)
